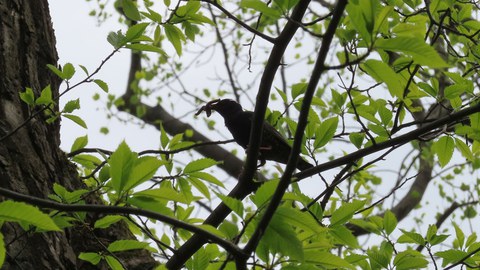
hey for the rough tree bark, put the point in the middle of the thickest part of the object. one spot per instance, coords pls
(30, 157)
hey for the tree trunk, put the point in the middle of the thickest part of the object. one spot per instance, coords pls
(30, 157)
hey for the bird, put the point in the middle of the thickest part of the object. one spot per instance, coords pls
(239, 122)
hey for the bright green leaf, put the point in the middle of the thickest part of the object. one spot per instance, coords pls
(3, 251)
(162, 193)
(71, 106)
(68, 71)
(234, 204)
(28, 96)
(389, 222)
(175, 36)
(79, 121)
(325, 132)
(135, 31)
(121, 164)
(124, 245)
(106, 221)
(143, 170)
(199, 164)
(357, 139)
(91, 257)
(21, 212)
(345, 213)
(382, 72)
(45, 97)
(409, 259)
(326, 259)
(113, 263)
(421, 52)
(79, 143)
(131, 11)
(103, 85)
(444, 149)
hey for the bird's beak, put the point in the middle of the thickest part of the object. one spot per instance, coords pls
(208, 107)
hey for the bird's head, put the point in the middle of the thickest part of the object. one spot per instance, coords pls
(225, 107)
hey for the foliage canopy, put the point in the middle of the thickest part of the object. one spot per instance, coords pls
(380, 95)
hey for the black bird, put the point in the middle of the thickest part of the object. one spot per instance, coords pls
(239, 122)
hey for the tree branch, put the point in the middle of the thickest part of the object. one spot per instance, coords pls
(107, 209)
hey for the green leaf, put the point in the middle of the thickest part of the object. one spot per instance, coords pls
(345, 213)
(454, 91)
(460, 236)
(200, 186)
(68, 71)
(28, 96)
(452, 256)
(411, 237)
(153, 15)
(57, 71)
(389, 222)
(121, 165)
(135, 31)
(21, 212)
(409, 259)
(421, 53)
(199, 261)
(175, 36)
(382, 72)
(344, 236)
(356, 139)
(264, 193)
(361, 16)
(277, 234)
(131, 10)
(199, 164)
(162, 193)
(143, 169)
(67, 196)
(79, 143)
(45, 97)
(103, 85)
(146, 48)
(207, 177)
(325, 132)
(326, 259)
(260, 7)
(444, 149)
(464, 149)
(212, 230)
(299, 219)
(298, 89)
(71, 106)
(91, 257)
(124, 245)
(428, 89)
(79, 121)
(117, 39)
(234, 204)
(113, 263)
(106, 221)
(164, 140)
(84, 69)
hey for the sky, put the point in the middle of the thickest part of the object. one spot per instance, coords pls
(81, 40)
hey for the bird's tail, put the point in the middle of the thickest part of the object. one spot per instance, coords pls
(303, 165)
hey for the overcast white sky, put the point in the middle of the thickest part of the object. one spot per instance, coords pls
(80, 40)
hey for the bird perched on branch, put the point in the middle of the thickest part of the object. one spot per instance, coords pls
(239, 122)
